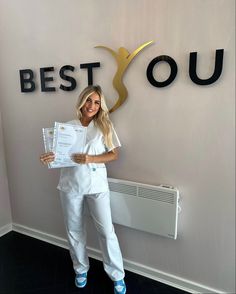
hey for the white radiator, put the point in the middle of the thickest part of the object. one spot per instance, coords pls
(148, 208)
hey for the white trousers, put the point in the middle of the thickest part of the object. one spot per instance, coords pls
(100, 211)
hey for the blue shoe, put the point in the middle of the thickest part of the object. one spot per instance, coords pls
(81, 280)
(119, 287)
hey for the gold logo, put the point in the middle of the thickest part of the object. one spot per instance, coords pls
(123, 59)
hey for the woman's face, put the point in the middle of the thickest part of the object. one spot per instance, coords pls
(91, 106)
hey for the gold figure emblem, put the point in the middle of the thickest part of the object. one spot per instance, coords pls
(123, 59)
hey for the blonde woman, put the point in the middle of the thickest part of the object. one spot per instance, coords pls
(87, 182)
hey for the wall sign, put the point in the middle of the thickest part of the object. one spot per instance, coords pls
(123, 59)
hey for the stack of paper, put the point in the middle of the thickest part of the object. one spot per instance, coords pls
(64, 140)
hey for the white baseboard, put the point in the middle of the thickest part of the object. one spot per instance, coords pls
(40, 235)
(152, 273)
(5, 229)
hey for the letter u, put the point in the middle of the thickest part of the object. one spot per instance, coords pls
(217, 71)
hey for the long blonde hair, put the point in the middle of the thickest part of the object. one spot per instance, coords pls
(101, 118)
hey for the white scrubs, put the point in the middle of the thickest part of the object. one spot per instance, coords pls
(88, 182)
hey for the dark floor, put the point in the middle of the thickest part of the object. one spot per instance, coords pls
(30, 266)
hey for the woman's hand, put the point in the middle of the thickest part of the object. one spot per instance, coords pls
(82, 158)
(46, 158)
(102, 158)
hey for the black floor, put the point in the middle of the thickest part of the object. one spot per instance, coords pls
(30, 266)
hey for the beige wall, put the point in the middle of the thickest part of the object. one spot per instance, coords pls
(182, 134)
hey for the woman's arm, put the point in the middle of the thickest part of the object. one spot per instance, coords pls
(102, 158)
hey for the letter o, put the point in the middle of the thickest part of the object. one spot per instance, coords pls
(173, 72)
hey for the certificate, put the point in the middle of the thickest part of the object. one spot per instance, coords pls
(48, 135)
(68, 140)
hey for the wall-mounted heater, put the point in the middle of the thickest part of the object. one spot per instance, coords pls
(145, 207)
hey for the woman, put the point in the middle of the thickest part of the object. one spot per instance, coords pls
(87, 182)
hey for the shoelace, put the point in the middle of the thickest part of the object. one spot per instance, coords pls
(120, 286)
(81, 278)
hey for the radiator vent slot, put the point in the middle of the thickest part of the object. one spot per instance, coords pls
(123, 188)
(156, 195)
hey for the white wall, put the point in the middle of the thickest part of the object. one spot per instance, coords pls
(182, 134)
(5, 209)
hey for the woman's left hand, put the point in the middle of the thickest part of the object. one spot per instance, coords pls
(82, 158)
(101, 158)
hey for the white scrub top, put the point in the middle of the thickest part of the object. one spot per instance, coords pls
(92, 177)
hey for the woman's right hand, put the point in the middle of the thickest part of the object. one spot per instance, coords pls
(48, 157)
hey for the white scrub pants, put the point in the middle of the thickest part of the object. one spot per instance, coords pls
(100, 211)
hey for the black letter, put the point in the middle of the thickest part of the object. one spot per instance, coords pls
(67, 78)
(46, 79)
(217, 70)
(29, 80)
(173, 73)
(90, 66)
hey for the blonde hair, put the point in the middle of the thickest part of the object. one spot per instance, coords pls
(101, 118)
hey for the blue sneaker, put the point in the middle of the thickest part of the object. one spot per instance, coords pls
(119, 287)
(81, 280)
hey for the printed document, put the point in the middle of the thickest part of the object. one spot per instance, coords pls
(64, 140)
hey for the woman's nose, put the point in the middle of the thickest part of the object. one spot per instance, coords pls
(90, 103)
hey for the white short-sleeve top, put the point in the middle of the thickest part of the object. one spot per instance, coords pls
(92, 177)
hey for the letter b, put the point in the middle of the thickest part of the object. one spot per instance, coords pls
(26, 80)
